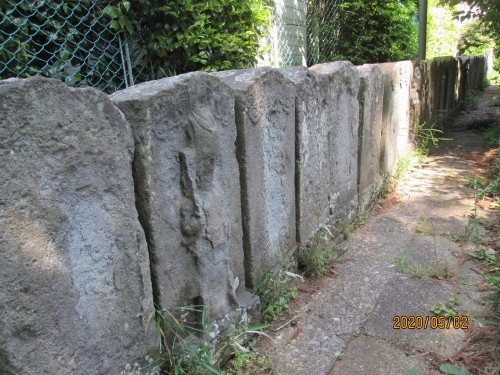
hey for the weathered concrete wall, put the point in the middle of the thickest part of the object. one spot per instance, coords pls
(371, 98)
(188, 189)
(312, 150)
(223, 171)
(440, 86)
(343, 109)
(76, 288)
(396, 113)
(265, 117)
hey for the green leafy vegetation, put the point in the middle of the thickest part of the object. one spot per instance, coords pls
(475, 39)
(55, 39)
(447, 368)
(51, 38)
(438, 270)
(442, 30)
(184, 36)
(319, 255)
(370, 32)
(316, 257)
(482, 29)
(274, 291)
(446, 309)
(246, 360)
(471, 100)
(183, 349)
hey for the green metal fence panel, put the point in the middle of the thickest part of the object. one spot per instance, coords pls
(324, 30)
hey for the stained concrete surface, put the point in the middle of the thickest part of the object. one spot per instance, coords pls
(346, 325)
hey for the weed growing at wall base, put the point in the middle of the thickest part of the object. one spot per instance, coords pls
(183, 349)
(274, 290)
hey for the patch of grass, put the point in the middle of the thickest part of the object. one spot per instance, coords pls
(421, 226)
(447, 308)
(274, 291)
(485, 237)
(445, 369)
(182, 344)
(492, 135)
(316, 257)
(471, 100)
(436, 271)
(405, 164)
(427, 137)
(247, 361)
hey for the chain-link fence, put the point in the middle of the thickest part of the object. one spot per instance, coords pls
(286, 42)
(71, 41)
(324, 30)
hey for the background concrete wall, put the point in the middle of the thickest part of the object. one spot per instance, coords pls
(288, 35)
(180, 191)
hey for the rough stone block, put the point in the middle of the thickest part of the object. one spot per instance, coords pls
(265, 117)
(343, 107)
(312, 164)
(75, 282)
(188, 187)
(371, 98)
(396, 113)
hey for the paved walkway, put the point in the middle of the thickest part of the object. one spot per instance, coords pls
(406, 258)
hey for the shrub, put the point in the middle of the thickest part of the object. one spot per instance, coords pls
(372, 31)
(190, 35)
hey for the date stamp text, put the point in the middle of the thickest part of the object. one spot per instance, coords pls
(433, 322)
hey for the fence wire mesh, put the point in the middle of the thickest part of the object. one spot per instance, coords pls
(324, 30)
(73, 41)
(68, 40)
(281, 50)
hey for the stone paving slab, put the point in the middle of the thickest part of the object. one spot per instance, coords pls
(366, 355)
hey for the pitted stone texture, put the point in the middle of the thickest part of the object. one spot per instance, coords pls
(344, 122)
(370, 125)
(265, 117)
(76, 288)
(312, 164)
(188, 188)
(396, 113)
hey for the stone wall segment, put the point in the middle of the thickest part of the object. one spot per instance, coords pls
(343, 108)
(188, 189)
(396, 113)
(265, 117)
(75, 281)
(370, 125)
(312, 168)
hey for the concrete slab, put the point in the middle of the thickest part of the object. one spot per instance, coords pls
(312, 164)
(74, 268)
(409, 296)
(343, 107)
(370, 126)
(188, 189)
(396, 113)
(366, 355)
(265, 119)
